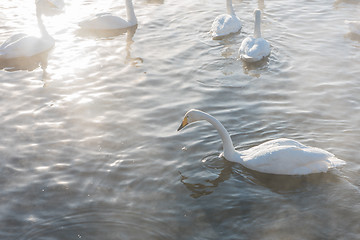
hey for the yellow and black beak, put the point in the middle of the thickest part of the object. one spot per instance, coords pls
(183, 124)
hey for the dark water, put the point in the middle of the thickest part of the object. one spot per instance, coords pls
(89, 148)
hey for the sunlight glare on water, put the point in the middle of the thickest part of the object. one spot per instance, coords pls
(89, 147)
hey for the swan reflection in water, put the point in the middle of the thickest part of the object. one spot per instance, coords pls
(203, 189)
(110, 35)
(280, 184)
(25, 63)
(254, 69)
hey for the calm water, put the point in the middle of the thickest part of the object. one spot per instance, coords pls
(89, 147)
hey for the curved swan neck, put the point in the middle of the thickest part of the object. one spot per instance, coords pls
(130, 12)
(41, 25)
(257, 27)
(229, 7)
(225, 137)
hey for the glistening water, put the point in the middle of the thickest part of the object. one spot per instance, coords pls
(89, 147)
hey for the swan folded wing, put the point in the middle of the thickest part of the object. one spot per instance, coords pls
(12, 39)
(254, 49)
(225, 24)
(104, 21)
(288, 159)
(26, 47)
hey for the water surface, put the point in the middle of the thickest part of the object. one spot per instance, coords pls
(89, 148)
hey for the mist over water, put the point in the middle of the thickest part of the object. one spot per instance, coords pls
(89, 147)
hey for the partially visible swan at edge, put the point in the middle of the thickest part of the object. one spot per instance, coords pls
(107, 21)
(354, 26)
(279, 156)
(254, 48)
(57, 4)
(22, 45)
(225, 24)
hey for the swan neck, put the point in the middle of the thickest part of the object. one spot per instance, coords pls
(225, 137)
(130, 12)
(43, 31)
(229, 7)
(257, 27)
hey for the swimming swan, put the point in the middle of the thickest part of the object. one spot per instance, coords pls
(279, 156)
(22, 45)
(225, 24)
(106, 21)
(254, 48)
(55, 4)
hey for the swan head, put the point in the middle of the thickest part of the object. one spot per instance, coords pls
(257, 13)
(191, 116)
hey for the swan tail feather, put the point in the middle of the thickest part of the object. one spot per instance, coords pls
(336, 162)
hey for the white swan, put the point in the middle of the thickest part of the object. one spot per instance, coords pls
(279, 156)
(254, 48)
(354, 26)
(55, 4)
(106, 21)
(225, 24)
(22, 45)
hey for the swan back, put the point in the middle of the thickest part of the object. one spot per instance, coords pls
(107, 21)
(254, 49)
(12, 39)
(26, 47)
(289, 157)
(104, 21)
(226, 24)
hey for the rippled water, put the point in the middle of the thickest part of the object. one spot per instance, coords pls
(89, 148)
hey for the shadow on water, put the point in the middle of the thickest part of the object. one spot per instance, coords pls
(353, 36)
(339, 2)
(255, 69)
(285, 184)
(25, 63)
(282, 184)
(200, 189)
(105, 34)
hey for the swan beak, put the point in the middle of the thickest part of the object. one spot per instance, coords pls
(183, 124)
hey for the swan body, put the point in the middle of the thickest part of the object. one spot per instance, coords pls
(354, 26)
(107, 21)
(225, 24)
(254, 48)
(57, 4)
(26, 46)
(22, 45)
(279, 156)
